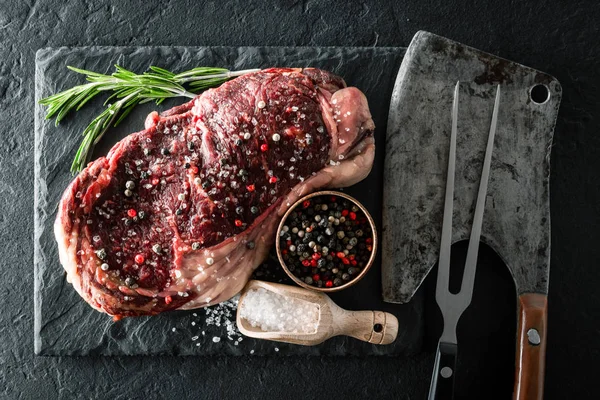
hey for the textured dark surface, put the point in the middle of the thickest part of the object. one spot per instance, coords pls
(57, 304)
(516, 224)
(554, 37)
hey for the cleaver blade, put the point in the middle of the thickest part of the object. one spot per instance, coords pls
(517, 211)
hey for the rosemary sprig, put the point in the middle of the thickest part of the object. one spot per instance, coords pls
(128, 90)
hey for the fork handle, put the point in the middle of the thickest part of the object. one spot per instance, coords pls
(444, 370)
(531, 347)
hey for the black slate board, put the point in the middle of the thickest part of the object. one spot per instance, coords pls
(66, 325)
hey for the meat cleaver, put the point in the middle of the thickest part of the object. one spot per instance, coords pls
(517, 211)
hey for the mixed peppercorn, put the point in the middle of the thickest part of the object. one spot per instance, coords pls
(326, 241)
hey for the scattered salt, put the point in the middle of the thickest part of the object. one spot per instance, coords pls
(273, 312)
(223, 314)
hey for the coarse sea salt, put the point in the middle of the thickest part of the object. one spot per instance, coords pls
(223, 315)
(276, 313)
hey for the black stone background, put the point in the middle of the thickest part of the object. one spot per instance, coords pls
(560, 38)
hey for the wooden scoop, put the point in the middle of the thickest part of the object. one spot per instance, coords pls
(375, 327)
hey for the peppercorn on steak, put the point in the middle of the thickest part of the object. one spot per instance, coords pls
(177, 216)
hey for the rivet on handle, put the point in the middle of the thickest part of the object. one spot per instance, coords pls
(446, 372)
(533, 336)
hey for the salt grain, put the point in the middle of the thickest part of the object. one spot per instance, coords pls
(273, 312)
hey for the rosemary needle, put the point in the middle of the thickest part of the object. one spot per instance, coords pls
(127, 89)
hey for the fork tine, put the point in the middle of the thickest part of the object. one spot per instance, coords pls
(444, 262)
(466, 289)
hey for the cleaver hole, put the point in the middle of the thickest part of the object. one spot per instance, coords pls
(539, 94)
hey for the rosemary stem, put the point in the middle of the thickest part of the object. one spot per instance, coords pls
(187, 94)
(242, 72)
(117, 108)
(184, 78)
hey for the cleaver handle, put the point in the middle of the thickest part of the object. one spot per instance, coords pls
(531, 347)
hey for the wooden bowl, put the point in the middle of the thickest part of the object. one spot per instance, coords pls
(373, 232)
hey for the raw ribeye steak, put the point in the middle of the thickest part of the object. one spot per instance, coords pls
(177, 216)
